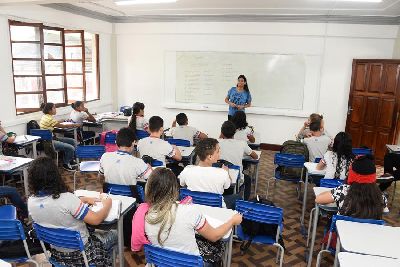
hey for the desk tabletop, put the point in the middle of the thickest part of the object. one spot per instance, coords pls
(115, 116)
(186, 151)
(351, 259)
(369, 239)
(4, 263)
(250, 159)
(312, 168)
(393, 148)
(12, 163)
(319, 190)
(216, 216)
(25, 139)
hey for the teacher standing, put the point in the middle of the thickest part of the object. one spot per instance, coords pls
(238, 97)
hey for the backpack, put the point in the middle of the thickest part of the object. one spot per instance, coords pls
(253, 228)
(32, 125)
(297, 148)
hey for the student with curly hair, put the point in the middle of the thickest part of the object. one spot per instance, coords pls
(52, 205)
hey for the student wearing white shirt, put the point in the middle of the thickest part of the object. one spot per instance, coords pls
(233, 151)
(155, 147)
(243, 130)
(318, 143)
(183, 131)
(137, 121)
(78, 115)
(120, 167)
(206, 178)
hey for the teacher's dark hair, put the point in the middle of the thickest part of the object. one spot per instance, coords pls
(246, 86)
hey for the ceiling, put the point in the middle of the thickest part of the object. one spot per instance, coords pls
(386, 12)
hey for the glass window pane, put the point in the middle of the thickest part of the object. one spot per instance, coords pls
(73, 53)
(28, 84)
(28, 101)
(25, 50)
(74, 66)
(54, 82)
(55, 96)
(24, 33)
(73, 38)
(27, 67)
(52, 36)
(74, 81)
(91, 87)
(53, 52)
(54, 67)
(75, 95)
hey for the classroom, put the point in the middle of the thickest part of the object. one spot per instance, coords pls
(161, 84)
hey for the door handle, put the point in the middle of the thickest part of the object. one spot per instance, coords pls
(349, 109)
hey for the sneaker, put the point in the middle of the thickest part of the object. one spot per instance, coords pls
(73, 163)
(68, 167)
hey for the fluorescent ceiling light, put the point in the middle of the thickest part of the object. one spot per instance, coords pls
(366, 1)
(141, 2)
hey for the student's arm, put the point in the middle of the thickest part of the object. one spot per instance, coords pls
(324, 198)
(90, 116)
(230, 103)
(10, 139)
(251, 138)
(177, 156)
(253, 155)
(95, 218)
(215, 234)
(321, 165)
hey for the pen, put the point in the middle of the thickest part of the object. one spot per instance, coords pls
(25, 138)
(109, 192)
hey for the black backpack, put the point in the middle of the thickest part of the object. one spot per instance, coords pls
(297, 148)
(32, 125)
(253, 228)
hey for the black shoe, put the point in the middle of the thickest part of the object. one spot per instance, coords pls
(73, 163)
(68, 167)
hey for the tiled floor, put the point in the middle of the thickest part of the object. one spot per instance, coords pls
(283, 195)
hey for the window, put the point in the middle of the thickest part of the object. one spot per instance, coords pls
(52, 64)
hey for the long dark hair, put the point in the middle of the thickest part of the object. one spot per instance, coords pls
(246, 86)
(342, 147)
(46, 107)
(239, 119)
(45, 179)
(363, 201)
(136, 108)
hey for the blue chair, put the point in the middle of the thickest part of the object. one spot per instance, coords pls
(358, 151)
(202, 198)
(178, 142)
(45, 135)
(11, 229)
(124, 190)
(62, 238)
(232, 168)
(110, 138)
(156, 163)
(332, 229)
(88, 152)
(262, 213)
(163, 257)
(140, 134)
(330, 183)
(291, 161)
(317, 160)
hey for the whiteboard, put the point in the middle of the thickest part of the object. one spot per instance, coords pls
(279, 84)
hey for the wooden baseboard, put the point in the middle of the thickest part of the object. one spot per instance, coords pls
(273, 147)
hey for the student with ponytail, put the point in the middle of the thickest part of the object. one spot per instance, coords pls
(78, 115)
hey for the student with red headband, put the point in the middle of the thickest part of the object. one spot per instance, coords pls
(361, 196)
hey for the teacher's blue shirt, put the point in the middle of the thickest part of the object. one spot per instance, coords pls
(238, 98)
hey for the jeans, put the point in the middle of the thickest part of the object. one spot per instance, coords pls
(15, 198)
(67, 145)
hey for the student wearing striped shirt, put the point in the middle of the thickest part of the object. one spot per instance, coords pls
(65, 144)
(51, 205)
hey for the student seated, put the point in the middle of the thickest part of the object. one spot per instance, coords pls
(318, 143)
(243, 130)
(65, 144)
(6, 139)
(206, 178)
(338, 160)
(78, 115)
(233, 151)
(183, 131)
(51, 205)
(155, 147)
(120, 167)
(305, 130)
(137, 121)
(360, 197)
(172, 225)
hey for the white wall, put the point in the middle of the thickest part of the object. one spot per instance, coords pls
(50, 17)
(140, 61)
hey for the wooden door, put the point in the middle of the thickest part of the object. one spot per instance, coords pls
(373, 107)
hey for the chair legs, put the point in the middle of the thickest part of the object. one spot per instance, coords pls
(319, 257)
(309, 225)
(394, 191)
(279, 254)
(75, 179)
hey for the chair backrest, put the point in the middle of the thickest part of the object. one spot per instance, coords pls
(140, 191)
(317, 160)
(141, 134)
(45, 135)
(337, 217)
(59, 237)
(156, 163)
(202, 198)
(110, 138)
(124, 190)
(358, 151)
(178, 142)
(91, 151)
(260, 212)
(289, 160)
(11, 229)
(330, 183)
(166, 257)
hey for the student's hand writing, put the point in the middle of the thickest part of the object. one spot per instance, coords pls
(236, 219)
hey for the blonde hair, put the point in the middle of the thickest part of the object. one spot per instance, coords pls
(162, 193)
